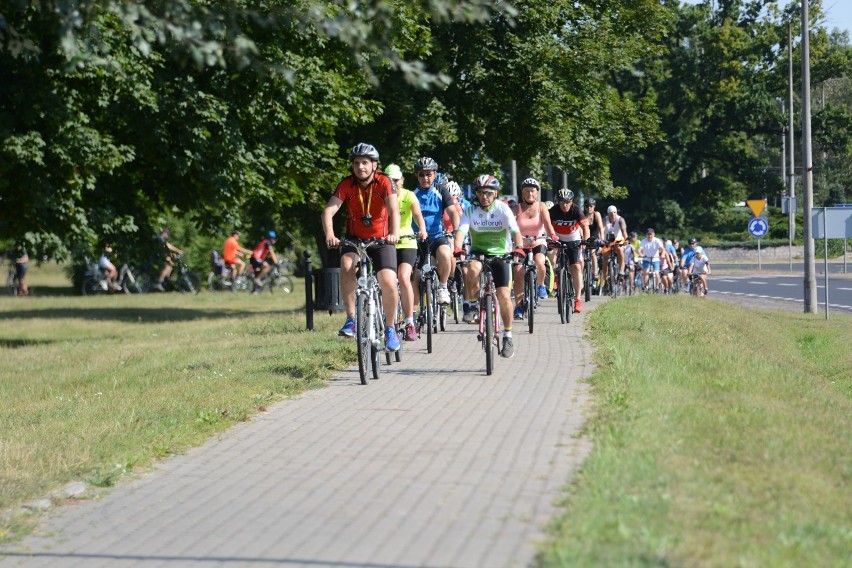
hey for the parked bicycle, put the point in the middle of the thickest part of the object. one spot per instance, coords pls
(369, 313)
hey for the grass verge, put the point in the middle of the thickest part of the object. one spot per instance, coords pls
(723, 437)
(93, 388)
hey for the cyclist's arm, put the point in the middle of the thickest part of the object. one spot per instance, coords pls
(600, 225)
(548, 226)
(393, 218)
(331, 209)
(417, 215)
(173, 248)
(584, 228)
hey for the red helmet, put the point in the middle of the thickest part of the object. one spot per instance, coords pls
(487, 182)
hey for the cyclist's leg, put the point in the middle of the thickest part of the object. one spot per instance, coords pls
(518, 287)
(348, 266)
(384, 263)
(405, 262)
(619, 254)
(440, 248)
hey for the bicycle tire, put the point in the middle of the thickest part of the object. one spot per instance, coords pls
(12, 283)
(570, 295)
(92, 287)
(427, 304)
(378, 328)
(282, 283)
(189, 282)
(400, 331)
(362, 337)
(587, 281)
(214, 283)
(529, 286)
(488, 338)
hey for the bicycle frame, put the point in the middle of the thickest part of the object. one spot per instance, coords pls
(369, 307)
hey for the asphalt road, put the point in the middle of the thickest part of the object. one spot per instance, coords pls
(834, 267)
(785, 287)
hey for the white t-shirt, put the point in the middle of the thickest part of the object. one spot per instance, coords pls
(699, 265)
(650, 249)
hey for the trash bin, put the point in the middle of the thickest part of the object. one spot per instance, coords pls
(327, 290)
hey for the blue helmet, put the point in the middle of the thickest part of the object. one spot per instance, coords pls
(272, 235)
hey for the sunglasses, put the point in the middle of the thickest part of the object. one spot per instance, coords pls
(487, 193)
(425, 174)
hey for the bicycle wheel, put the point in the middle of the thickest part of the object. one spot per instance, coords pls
(587, 281)
(530, 297)
(400, 330)
(427, 304)
(379, 332)
(92, 287)
(488, 336)
(281, 284)
(214, 283)
(362, 337)
(189, 282)
(562, 294)
(12, 283)
(570, 296)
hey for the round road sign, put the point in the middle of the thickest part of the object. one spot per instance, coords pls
(758, 227)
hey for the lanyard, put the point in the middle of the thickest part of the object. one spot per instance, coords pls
(369, 199)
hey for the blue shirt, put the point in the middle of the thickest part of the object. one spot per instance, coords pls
(432, 205)
(689, 254)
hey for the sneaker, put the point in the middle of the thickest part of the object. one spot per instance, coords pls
(508, 350)
(443, 296)
(411, 332)
(471, 316)
(542, 292)
(391, 340)
(519, 313)
(159, 287)
(578, 306)
(348, 329)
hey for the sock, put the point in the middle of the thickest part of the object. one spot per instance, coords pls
(409, 320)
(507, 333)
(444, 286)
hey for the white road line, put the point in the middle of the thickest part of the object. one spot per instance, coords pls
(759, 283)
(785, 284)
(798, 300)
(847, 289)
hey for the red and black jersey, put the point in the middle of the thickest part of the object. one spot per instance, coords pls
(361, 201)
(567, 224)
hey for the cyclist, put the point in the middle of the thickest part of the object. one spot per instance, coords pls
(456, 193)
(22, 259)
(699, 266)
(615, 232)
(650, 250)
(231, 252)
(596, 226)
(406, 248)
(570, 226)
(169, 249)
(109, 268)
(265, 249)
(492, 227)
(434, 202)
(631, 259)
(668, 265)
(686, 258)
(373, 212)
(533, 221)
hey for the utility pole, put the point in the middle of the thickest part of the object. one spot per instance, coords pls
(791, 146)
(810, 291)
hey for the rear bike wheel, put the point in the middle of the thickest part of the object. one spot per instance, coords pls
(587, 281)
(530, 298)
(189, 282)
(362, 336)
(379, 332)
(92, 287)
(488, 336)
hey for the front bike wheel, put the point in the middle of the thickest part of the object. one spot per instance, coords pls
(427, 303)
(530, 298)
(282, 284)
(189, 282)
(362, 337)
(488, 336)
(92, 287)
(562, 296)
(587, 281)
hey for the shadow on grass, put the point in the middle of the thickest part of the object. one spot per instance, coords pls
(142, 315)
(18, 343)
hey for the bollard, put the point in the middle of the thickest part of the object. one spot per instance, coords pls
(309, 291)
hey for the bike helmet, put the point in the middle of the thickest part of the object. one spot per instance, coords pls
(272, 235)
(454, 189)
(486, 181)
(633, 234)
(591, 201)
(565, 194)
(531, 182)
(393, 171)
(363, 149)
(693, 240)
(548, 204)
(425, 163)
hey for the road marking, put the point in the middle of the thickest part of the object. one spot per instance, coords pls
(847, 289)
(759, 283)
(785, 284)
(798, 300)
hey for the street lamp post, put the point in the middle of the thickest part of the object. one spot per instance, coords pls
(810, 289)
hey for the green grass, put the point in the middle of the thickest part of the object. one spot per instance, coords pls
(93, 388)
(722, 437)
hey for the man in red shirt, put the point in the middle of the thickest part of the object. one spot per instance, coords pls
(231, 252)
(258, 259)
(372, 212)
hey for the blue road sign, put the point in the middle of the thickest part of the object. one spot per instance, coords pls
(758, 227)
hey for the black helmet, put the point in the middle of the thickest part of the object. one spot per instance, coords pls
(427, 164)
(693, 240)
(363, 149)
(591, 201)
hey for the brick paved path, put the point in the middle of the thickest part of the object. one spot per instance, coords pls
(433, 465)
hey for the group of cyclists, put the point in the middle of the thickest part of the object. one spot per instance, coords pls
(434, 218)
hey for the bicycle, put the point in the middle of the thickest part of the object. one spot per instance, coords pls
(565, 293)
(431, 315)
(181, 279)
(588, 267)
(456, 287)
(12, 283)
(489, 323)
(95, 281)
(655, 286)
(530, 300)
(369, 313)
(696, 286)
(276, 279)
(614, 281)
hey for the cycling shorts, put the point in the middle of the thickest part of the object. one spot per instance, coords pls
(573, 253)
(435, 243)
(538, 249)
(646, 264)
(382, 256)
(21, 270)
(257, 264)
(501, 269)
(406, 256)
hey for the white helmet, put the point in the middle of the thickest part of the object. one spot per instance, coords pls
(548, 204)
(612, 209)
(454, 189)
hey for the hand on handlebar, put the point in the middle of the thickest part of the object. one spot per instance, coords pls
(518, 254)
(332, 242)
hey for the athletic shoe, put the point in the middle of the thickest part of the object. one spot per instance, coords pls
(159, 287)
(542, 292)
(411, 332)
(348, 329)
(519, 313)
(472, 315)
(443, 296)
(391, 340)
(508, 350)
(578, 306)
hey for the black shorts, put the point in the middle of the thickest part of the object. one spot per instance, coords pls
(573, 252)
(382, 256)
(256, 264)
(501, 269)
(433, 245)
(539, 249)
(406, 256)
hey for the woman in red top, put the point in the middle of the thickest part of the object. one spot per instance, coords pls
(370, 199)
